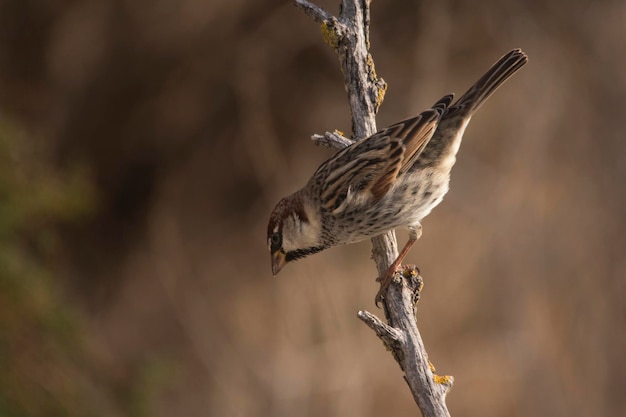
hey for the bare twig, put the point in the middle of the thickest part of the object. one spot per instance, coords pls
(389, 335)
(332, 140)
(348, 35)
(317, 13)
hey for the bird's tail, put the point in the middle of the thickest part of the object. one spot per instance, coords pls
(488, 83)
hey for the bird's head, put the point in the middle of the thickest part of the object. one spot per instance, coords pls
(294, 231)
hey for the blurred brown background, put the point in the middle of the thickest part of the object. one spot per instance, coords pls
(144, 143)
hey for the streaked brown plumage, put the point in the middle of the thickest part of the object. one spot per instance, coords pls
(391, 179)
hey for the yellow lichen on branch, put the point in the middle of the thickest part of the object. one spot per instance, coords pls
(443, 380)
(330, 35)
(439, 379)
(380, 84)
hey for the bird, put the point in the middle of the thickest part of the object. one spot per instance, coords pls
(391, 179)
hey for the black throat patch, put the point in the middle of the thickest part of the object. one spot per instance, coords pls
(301, 253)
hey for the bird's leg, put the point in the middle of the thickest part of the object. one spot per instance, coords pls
(414, 233)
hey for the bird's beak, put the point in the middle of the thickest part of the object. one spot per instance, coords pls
(279, 260)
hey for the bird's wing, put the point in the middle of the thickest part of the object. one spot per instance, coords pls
(364, 172)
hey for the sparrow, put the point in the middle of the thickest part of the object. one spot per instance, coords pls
(389, 180)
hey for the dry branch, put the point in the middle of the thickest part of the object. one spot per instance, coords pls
(332, 140)
(348, 35)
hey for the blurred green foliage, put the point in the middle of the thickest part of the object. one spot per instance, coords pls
(46, 366)
(40, 343)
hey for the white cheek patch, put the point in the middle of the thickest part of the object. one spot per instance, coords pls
(299, 234)
(287, 246)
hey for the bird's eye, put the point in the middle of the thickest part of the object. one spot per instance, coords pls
(276, 241)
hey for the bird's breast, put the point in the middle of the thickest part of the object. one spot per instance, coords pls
(410, 200)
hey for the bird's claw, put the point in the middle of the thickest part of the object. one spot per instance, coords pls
(379, 297)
